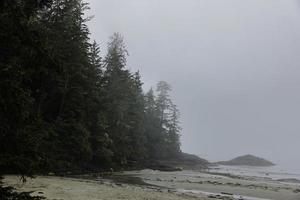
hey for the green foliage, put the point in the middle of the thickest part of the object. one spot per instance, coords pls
(162, 123)
(64, 108)
(124, 105)
(20, 55)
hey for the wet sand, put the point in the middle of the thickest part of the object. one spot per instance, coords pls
(220, 186)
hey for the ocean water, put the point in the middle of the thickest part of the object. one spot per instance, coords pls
(274, 172)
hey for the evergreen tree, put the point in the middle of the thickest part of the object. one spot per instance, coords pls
(152, 126)
(99, 139)
(135, 120)
(64, 108)
(173, 131)
(162, 123)
(124, 102)
(163, 101)
(21, 53)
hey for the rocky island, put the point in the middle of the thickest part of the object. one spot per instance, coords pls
(247, 160)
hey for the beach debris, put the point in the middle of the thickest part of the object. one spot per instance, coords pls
(296, 191)
(226, 193)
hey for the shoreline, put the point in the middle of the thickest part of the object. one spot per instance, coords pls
(221, 185)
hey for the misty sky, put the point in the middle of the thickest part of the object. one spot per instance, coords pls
(234, 66)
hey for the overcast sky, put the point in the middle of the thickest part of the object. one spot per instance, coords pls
(234, 66)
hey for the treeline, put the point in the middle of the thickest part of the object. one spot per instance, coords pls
(63, 107)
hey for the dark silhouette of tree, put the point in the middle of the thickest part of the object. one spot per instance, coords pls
(65, 109)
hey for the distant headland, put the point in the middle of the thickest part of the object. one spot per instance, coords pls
(247, 160)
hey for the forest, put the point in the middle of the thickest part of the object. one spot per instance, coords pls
(66, 109)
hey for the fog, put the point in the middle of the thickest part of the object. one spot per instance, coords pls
(233, 65)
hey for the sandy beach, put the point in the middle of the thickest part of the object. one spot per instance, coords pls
(155, 185)
(61, 188)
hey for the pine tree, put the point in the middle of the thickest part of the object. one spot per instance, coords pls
(168, 115)
(69, 92)
(173, 131)
(135, 119)
(152, 126)
(64, 108)
(21, 53)
(163, 101)
(124, 105)
(100, 141)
